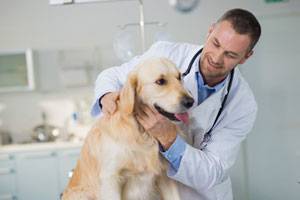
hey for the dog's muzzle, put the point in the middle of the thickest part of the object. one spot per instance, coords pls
(187, 102)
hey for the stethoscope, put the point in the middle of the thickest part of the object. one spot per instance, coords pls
(207, 135)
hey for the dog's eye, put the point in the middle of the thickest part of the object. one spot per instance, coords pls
(161, 81)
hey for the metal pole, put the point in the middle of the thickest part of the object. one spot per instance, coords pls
(142, 24)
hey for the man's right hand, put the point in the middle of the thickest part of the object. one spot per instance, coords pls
(109, 102)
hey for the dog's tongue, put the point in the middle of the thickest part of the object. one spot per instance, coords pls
(184, 117)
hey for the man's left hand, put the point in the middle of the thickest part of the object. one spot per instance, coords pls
(158, 126)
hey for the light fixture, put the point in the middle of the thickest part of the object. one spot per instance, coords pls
(184, 6)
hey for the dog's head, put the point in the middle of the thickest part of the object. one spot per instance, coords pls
(156, 83)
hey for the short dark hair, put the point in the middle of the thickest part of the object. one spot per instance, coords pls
(243, 22)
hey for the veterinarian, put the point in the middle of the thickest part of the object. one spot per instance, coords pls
(222, 115)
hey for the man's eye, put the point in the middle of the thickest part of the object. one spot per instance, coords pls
(161, 81)
(215, 44)
(231, 56)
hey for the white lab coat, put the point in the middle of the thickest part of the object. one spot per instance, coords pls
(202, 174)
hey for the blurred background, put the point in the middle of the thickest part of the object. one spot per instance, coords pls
(50, 55)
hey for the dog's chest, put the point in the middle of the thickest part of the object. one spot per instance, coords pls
(140, 172)
(141, 159)
(140, 187)
(134, 157)
(137, 164)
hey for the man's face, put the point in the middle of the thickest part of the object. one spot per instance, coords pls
(223, 50)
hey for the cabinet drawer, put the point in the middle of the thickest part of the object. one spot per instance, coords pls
(7, 182)
(7, 160)
(67, 162)
(37, 175)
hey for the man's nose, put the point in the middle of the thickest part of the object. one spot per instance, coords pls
(217, 58)
(187, 101)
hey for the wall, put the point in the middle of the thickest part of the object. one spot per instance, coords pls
(273, 159)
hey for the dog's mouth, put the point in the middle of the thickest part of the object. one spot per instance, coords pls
(184, 117)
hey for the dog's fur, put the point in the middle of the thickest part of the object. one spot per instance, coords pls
(119, 161)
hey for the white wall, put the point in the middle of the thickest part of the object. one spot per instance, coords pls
(273, 158)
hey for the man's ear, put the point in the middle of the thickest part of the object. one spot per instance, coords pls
(127, 95)
(248, 55)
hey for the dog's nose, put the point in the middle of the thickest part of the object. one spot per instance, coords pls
(187, 102)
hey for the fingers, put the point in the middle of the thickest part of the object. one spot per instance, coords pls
(146, 122)
(108, 102)
(143, 122)
(156, 125)
(143, 118)
(148, 117)
(109, 108)
(146, 113)
(150, 112)
(153, 114)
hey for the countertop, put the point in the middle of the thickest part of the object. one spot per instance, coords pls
(13, 148)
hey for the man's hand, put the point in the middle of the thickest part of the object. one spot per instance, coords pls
(108, 102)
(158, 126)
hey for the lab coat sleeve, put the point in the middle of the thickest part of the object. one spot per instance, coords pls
(203, 169)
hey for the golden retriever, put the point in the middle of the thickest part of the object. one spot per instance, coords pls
(119, 160)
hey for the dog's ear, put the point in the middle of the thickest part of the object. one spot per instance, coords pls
(128, 92)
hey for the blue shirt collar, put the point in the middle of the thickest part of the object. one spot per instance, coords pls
(201, 81)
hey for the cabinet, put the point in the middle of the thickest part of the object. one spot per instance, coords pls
(67, 161)
(7, 177)
(16, 71)
(36, 175)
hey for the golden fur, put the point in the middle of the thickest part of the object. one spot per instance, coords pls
(119, 161)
